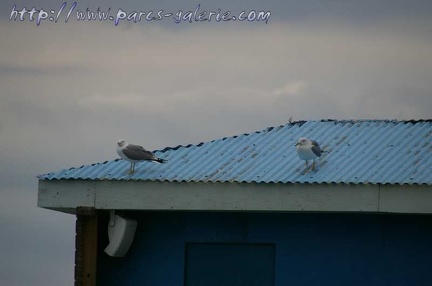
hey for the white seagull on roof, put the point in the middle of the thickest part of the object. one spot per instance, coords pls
(308, 150)
(135, 154)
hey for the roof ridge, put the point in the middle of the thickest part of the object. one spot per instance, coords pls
(269, 128)
(291, 122)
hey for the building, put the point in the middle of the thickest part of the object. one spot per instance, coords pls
(243, 210)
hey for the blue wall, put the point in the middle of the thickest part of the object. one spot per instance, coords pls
(310, 249)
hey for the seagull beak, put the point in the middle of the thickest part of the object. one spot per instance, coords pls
(296, 144)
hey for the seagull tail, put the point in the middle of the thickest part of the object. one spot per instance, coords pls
(159, 160)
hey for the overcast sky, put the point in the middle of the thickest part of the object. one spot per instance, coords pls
(69, 91)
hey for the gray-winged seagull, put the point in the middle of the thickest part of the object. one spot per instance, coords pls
(135, 154)
(308, 150)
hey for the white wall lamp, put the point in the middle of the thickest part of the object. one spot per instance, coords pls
(121, 233)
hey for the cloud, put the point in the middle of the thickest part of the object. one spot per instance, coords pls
(120, 101)
(292, 88)
(37, 242)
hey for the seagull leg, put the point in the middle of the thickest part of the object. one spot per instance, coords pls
(313, 165)
(307, 167)
(131, 169)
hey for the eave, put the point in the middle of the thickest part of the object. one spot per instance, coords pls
(67, 195)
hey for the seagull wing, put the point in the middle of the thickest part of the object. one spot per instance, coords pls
(136, 152)
(316, 148)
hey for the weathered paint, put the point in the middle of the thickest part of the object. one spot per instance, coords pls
(66, 195)
(127, 195)
(311, 249)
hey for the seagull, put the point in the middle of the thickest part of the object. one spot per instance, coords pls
(308, 150)
(135, 154)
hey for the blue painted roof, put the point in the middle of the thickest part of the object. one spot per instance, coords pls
(355, 151)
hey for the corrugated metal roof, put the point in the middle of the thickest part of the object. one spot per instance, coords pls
(358, 152)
